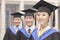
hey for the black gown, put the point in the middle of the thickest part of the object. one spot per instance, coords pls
(10, 34)
(51, 34)
(54, 36)
(23, 35)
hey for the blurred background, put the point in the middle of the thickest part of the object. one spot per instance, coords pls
(9, 6)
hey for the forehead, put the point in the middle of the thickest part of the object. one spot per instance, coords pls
(16, 17)
(28, 16)
(41, 13)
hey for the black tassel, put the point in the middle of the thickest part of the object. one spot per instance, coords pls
(53, 18)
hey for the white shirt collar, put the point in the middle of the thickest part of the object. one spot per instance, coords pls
(44, 30)
(32, 28)
(17, 28)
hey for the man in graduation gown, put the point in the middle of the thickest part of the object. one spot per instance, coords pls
(26, 32)
(45, 32)
(12, 30)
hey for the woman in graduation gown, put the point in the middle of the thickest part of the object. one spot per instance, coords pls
(25, 32)
(12, 30)
(45, 31)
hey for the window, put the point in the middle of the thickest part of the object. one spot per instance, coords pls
(10, 8)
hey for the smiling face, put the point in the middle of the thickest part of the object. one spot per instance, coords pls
(17, 21)
(29, 20)
(42, 17)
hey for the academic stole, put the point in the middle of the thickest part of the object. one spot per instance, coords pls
(41, 32)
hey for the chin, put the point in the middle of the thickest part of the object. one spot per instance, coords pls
(41, 23)
(29, 25)
(17, 24)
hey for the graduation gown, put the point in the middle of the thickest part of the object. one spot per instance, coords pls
(10, 34)
(51, 34)
(23, 35)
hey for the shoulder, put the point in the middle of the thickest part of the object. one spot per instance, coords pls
(19, 31)
(57, 33)
(8, 28)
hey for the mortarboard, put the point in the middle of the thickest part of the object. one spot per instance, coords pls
(43, 6)
(17, 14)
(29, 12)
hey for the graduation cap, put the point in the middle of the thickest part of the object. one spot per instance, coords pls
(43, 6)
(17, 14)
(29, 12)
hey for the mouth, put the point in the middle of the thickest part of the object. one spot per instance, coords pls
(17, 22)
(40, 20)
(28, 21)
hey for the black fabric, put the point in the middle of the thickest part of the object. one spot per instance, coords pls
(54, 36)
(9, 35)
(29, 30)
(17, 14)
(21, 36)
(44, 9)
(46, 5)
(29, 12)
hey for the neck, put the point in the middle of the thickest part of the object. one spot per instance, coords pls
(16, 25)
(43, 26)
(29, 25)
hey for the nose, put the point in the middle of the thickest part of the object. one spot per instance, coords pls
(16, 20)
(28, 19)
(40, 17)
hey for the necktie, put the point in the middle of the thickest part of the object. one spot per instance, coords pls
(29, 30)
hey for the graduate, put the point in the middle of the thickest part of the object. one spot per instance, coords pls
(12, 30)
(26, 32)
(45, 31)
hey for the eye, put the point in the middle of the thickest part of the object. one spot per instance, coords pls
(38, 15)
(30, 18)
(44, 15)
(15, 19)
(27, 18)
(18, 19)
